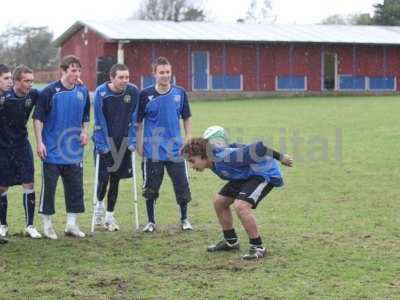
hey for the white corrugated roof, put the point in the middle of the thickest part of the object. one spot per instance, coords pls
(236, 32)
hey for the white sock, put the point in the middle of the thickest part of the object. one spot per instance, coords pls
(47, 222)
(109, 215)
(71, 219)
(100, 204)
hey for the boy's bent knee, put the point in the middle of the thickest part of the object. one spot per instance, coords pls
(242, 206)
(222, 201)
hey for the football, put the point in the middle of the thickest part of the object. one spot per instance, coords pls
(216, 135)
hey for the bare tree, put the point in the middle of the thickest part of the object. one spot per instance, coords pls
(169, 10)
(259, 11)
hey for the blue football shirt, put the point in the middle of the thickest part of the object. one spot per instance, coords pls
(161, 113)
(63, 111)
(115, 116)
(244, 162)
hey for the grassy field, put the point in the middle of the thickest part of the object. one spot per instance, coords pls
(333, 231)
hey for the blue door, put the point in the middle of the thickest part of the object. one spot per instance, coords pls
(200, 70)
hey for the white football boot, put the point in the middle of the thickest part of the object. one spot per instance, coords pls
(32, 232)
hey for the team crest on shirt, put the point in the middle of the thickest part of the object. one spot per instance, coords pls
(28, 103)
(58, 89)
(150, 97)
(80, 96)
(2, 100)
(127, 99)
(102, 94)
(177, 98)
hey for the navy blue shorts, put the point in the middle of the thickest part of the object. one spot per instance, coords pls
(121, 169)
(153, 174)
(16, 166)
(72, 178)
(252, 190)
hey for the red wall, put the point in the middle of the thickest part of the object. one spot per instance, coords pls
(345, 58)
(369, 60)
(268, 65)
(258, 71)
(313, 60)
(139, 55)
(88, 46)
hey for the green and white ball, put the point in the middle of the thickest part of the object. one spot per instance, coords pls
(216, 135)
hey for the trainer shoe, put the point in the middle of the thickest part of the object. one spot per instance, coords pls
(111, 224)
(99, 213)
(73, 230)
(3, 230)
(32, 232)
(223, 245)
(255, 253)
(185, 225)
(150, 227)
(50, 233)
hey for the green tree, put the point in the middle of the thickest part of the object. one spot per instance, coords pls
(361, 19)
(352, 19)
(387, 13)
(335, 20)
(31, 46)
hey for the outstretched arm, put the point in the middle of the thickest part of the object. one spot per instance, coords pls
(256, 152)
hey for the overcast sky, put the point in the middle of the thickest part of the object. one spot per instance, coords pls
(58, 16)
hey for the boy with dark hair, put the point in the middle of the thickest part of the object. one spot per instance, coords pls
(16, 158)
(252, 172)
(5, 85)
(61, 128)
(115, 112)
(160, 109)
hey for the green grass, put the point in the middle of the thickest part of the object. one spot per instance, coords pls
(333, 231)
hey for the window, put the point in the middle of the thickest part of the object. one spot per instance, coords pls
(384, 83)
(350, 82)
(227, 82)
(291, 82)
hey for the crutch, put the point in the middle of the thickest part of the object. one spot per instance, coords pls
(135, 197)
(96, 179)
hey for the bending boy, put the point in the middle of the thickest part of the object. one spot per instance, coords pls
(252, 172)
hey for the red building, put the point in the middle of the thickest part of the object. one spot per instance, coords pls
(210, 57)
